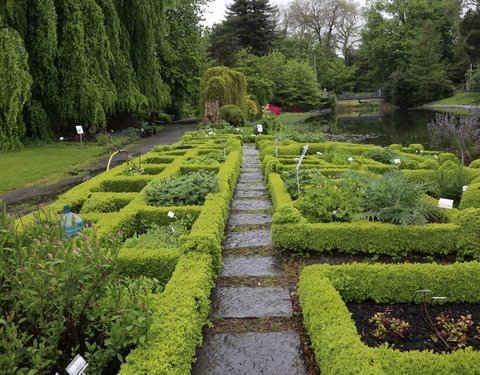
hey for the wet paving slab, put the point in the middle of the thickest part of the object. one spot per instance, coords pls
(250, 177)
(249, 238)
(250, 160)
(251, 266)
(251, 303)
(250, 194)
(246, 186)
(252, 204)
(252, 169)
(251, 353)
(247, 219)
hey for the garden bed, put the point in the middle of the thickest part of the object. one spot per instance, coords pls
(418, 335)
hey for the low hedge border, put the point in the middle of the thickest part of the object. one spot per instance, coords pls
(181, 310)
(291, 231)
(338, 347)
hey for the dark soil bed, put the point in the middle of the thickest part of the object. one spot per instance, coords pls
(418, 335)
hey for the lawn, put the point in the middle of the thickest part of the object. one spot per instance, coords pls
(464, 98)
(43, 163)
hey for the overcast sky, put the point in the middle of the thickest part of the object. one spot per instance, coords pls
(215, 10)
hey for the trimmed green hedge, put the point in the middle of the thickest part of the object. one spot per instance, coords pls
(338, 348)
(181, 311)
(188, 271)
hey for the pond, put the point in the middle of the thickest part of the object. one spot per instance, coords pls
(379, 128)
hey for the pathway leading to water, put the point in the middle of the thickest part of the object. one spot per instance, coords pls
(258, 316)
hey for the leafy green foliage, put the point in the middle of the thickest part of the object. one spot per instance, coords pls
(212, 158)
(157, 236)
(330, 201)
(306, 178)
(388, 326)
(450, 179)
(60, 296)
(189, 189)
(385, 156)
(233, 115)
(392, 198)
(15, 82)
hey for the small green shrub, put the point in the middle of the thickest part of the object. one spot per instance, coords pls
(212, 158)
(233, 115)
(330, 201)
(475, 163)
(157, 236)
(445, 156)
(396, 147)
(385, 156)
(408, 164)
(337, 157)
(450, 179)
(471, 197)
(306, 178)
(189, 189)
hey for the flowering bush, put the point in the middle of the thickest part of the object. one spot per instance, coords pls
(306, 178)
(60, 297)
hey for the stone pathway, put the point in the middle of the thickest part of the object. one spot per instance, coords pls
(250, 353)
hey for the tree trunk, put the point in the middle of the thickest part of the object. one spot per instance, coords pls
(212, 112)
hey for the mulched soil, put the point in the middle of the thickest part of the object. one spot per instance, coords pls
(418, 335)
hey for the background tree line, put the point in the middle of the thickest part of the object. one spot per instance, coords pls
(417, 50)
(66, 62)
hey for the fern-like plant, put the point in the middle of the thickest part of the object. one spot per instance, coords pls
(392, 198)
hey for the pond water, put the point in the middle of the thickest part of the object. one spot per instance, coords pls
(380, 128)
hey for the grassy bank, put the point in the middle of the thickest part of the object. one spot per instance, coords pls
(464, 98)
(48, 163)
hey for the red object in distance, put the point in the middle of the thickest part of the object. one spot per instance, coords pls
(274, 109)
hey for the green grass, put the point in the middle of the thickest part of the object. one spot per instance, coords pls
(45, 163)
(465, 98)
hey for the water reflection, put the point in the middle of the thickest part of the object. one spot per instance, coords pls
(381, 128)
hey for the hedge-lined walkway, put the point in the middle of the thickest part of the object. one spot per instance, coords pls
(245, 302)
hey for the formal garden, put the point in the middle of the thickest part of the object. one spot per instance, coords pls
(319, 214)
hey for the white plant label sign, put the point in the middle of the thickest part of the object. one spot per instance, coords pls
(171, 214)
(77, 366)
(464, 188)
(260, 128)
(445, 203)
(79, 129)
(396, 161)
(305, 149)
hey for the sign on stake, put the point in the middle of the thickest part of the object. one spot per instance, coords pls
(79, 129)
(77, 366)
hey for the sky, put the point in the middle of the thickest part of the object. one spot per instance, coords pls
(215, 10)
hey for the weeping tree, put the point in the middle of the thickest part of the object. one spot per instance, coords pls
(92, 59)
(15, 83)
(224, 86)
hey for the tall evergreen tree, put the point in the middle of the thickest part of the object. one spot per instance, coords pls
(254, 23)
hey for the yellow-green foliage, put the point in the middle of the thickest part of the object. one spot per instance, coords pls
(291, 231)
(224, 85)
(338, 348)
(471, 197)
(187, 271)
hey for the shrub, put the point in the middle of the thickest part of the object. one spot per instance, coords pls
(330, 201)
(392, 198)
(408, 164)
(60, 296)
(475, 164)
(189, 189)
(396, 147)
(212, 158)
(233, 115)
(157, 236)
(384, 156)
(445, 156)
(450, 179)
(471, 197)
(306, 178)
